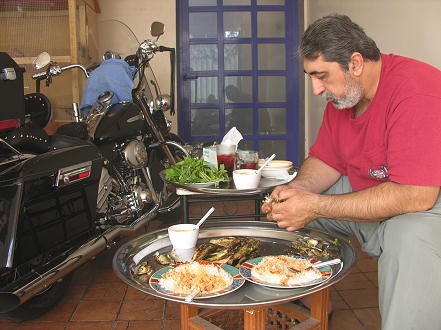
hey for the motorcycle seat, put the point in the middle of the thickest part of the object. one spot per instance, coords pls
(60, 141)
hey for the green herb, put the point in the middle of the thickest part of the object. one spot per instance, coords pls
(336, 241)
(192, 170)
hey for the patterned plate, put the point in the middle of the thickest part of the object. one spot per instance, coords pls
(238, 281)
(247, 266)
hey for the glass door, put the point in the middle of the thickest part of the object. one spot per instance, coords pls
(237, 67)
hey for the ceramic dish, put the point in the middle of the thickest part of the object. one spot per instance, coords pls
(247, 266)
(238, 281)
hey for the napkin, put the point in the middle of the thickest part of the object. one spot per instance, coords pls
(233, 137)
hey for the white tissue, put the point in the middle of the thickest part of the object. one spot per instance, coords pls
(233, 137)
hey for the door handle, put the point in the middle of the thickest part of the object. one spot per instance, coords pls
(190, 77)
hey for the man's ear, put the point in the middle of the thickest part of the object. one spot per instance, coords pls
(356, 64)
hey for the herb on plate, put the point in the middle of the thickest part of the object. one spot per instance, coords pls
(192, 170)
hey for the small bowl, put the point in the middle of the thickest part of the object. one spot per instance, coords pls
(246, 179)
(275, 168)
(183, 236)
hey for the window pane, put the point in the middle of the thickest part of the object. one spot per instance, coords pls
(193, 3)
(271, 2)
(272, 121)
(237, 24)
(237, 2)
(269, 147)
(204, 90)
(203, 25)
(246, 145)
(204, 122)
(241, 118)
(238, 89)
(272, 89)
(271, 56)
(203, 57)
(270, 24)
(237, 57)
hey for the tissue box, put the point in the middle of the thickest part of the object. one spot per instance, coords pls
(210, 156)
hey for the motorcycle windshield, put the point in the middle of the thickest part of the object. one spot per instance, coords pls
(117, 39)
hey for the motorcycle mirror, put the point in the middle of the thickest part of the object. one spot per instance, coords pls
(41, 60)
(157, 29)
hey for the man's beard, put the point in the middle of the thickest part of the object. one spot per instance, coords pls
(353, 94)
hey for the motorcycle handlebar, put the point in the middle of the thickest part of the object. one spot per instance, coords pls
(55, 70)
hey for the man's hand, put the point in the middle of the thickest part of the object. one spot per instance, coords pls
(295, 209)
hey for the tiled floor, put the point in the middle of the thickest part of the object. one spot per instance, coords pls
(98, 299)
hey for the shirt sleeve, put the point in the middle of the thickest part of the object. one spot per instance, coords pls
(414, 141)
(324, 147)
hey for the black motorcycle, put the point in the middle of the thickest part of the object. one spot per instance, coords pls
(64, 198)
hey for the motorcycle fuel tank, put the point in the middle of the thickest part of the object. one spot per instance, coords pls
(121, 120)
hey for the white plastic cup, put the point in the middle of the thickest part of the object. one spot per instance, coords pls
(183, 236)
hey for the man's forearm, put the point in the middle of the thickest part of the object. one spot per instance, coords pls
(377, 203)
(315, 176)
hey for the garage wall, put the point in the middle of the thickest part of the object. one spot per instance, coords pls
(404, 27)
(138, 15)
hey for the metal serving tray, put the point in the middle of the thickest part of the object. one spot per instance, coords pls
(274, 241)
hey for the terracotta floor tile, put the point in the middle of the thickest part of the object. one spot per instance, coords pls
(172, 310)
(367, 265)
(142, 310)
(38, 325)
(354, 281)
(105, 291)
(337, 301)
(120, 325)
(85, 274)
(75, 291)
(135, 294)
(373, 277)
(107, 276)
(96, 311)
(362, 298)
(91, 325)
(369, 317)
(172, 325)
(146, 325)
(345, 320)
(63, 311)
(8, 325)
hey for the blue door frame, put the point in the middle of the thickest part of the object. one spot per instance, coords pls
(294, 133)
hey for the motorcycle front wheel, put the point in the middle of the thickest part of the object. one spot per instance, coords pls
(158, 161)
(41, 303)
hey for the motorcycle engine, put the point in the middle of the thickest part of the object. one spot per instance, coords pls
(122, 192)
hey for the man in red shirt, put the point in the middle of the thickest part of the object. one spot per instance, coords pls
(374, 171)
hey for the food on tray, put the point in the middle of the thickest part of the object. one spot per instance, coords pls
(189, 277)
(311, 247)
(231, 250)
(167, 258)
(192, 170)
(276, 270)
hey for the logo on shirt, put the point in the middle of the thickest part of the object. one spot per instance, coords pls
(378, 172)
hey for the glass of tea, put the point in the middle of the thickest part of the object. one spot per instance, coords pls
(247, 159)
(226, 154)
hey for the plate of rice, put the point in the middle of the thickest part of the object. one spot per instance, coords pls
(212, 279)
(274, 272)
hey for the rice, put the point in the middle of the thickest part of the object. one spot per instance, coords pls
(274, 270)
(196, 275)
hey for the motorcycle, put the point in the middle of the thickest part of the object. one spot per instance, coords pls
(65, 198)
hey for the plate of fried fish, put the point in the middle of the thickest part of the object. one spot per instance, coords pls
(283, 271)
(207, 278)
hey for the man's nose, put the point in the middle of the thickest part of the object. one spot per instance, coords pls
(317, 86)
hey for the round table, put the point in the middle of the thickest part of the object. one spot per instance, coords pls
(252, 298)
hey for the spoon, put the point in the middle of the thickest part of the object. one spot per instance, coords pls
(191, 296)
(266, 163)
(205, 217)
(318, 265)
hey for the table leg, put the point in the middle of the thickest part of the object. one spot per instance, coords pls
(254, 318)
(187, 311)
(319, 307)
(185, 209)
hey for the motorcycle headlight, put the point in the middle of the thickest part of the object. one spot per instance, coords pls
(163, 103)
(135, 154)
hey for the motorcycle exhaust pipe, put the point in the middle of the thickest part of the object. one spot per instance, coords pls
(11, 300)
